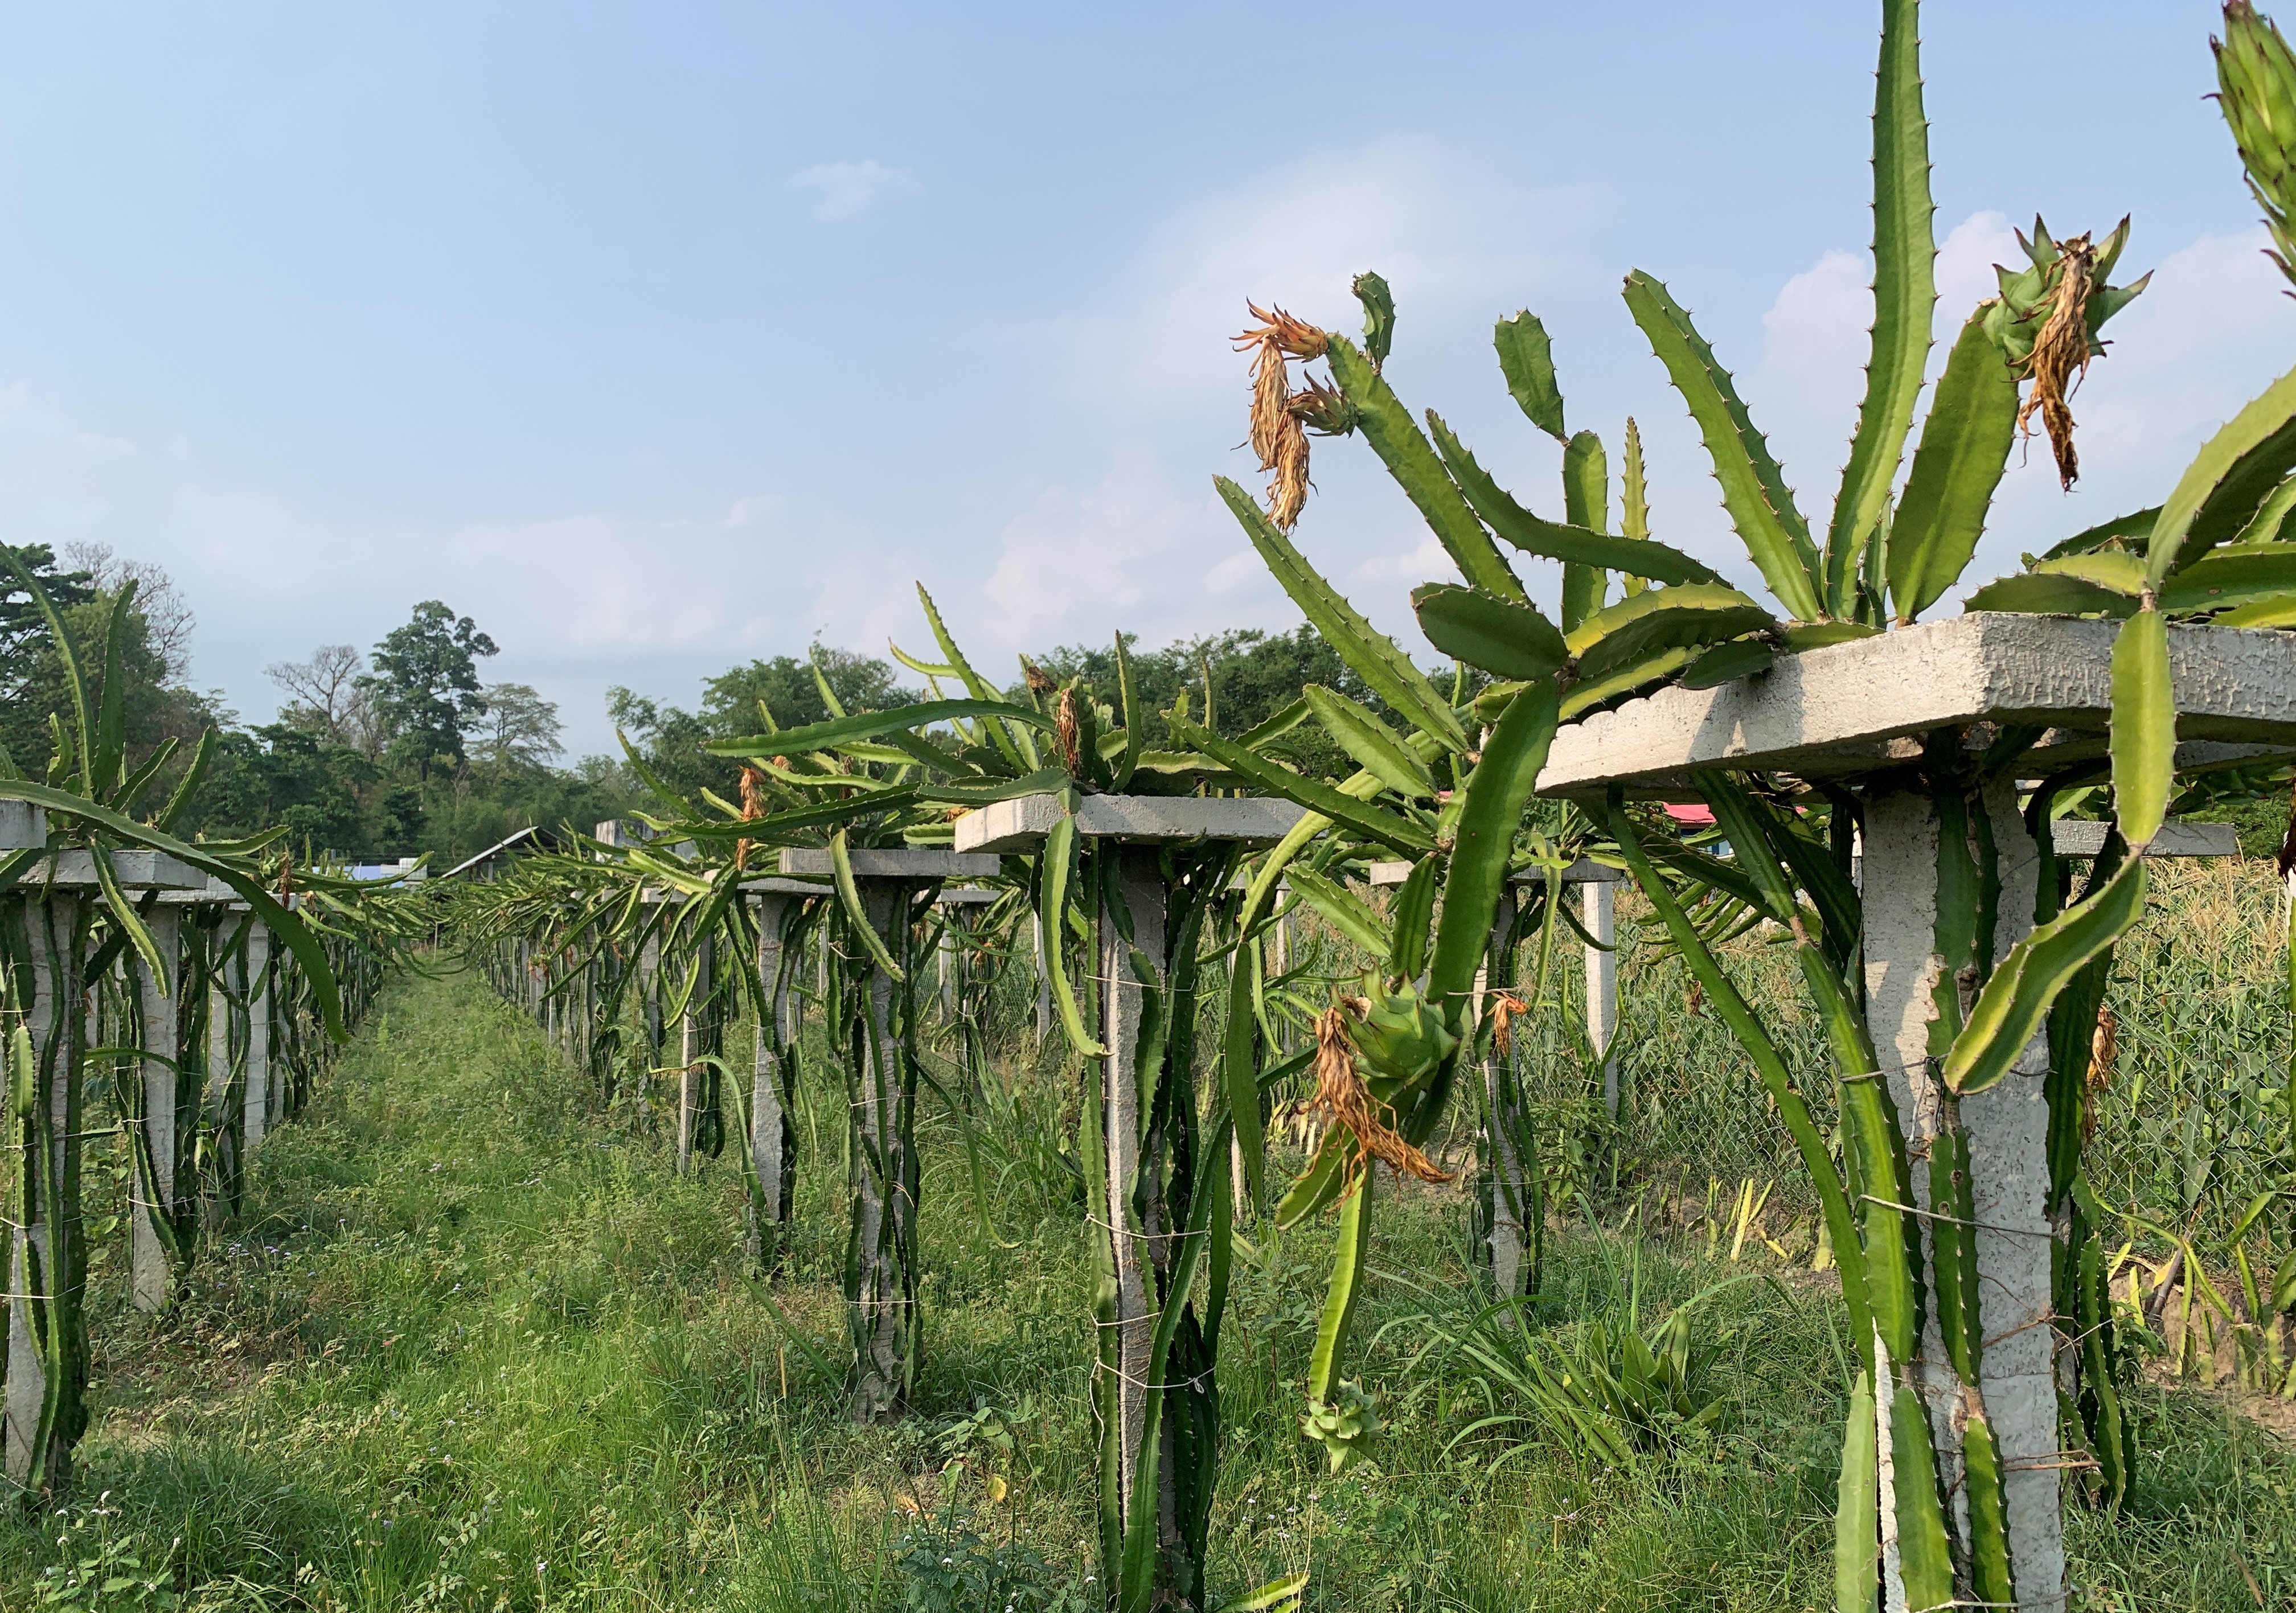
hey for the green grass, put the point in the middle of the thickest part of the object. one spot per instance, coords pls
(469, 1329)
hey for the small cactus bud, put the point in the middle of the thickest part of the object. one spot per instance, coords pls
(2256, 79)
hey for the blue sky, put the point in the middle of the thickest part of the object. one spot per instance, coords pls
(657, 338)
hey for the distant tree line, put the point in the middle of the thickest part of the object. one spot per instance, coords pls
(406, 748)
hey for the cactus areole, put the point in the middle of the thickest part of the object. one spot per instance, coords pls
(1971, 1330)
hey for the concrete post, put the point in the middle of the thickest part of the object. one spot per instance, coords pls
(221, 1072)
(1129, 1209)
(281, 1046)
(1599, 912)
(1043, 983)
(1503, 1103)
(1134, 1211)
(944, 957)
(218, 1016)
(53, 1015)
(768, 1110)
(882, 1263)
(153, 1202)
(257, 1113)
(692, 1039)
(650, 997)
(2007, 1129)
(884, 1259)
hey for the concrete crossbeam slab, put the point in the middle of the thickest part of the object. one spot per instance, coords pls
(2080, 838)
(211, 892)
(136, 871)
(1584, 872)
(1855, 707)
(894, 864)
(23, 824)
(1020, 824)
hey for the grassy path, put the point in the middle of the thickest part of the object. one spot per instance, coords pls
(474, 1347)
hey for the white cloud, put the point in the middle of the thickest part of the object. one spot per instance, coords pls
(1130, 551)
(1449, 238)
(847, 190)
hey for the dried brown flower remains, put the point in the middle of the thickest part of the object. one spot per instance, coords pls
(2061, 354)
(1065, 731)
(2103, 1059)
(1341, 1093)
(1503, 1014)
(753, 806)
(1279, 418)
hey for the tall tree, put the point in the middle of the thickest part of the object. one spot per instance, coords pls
(23, 631)
(425, 685)
(33, 688)
(327, 694)
(521, 730)
(168, 618)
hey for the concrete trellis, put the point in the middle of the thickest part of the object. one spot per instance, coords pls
(48, 1257)
(1136, 1226)
(774, 1071)
(169, 1092)
(1854, 715)
(881, 1274)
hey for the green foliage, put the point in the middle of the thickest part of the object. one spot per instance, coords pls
(1754, 491)
(1254, 674)
(1904, 291)
(23, 629)
(1607, 1386)
(1964, 450)
(545, 1351)
(34, 683)
(425, 685)
(1527, 360)
(946, 1565)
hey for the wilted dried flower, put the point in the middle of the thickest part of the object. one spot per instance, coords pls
(753, 806)
(1277, 435)
(1503, 1013)
(1065, 731)
(1278, 329)
(2103, 1059)
(1287, 488)
(2061, 354)
(1324, 410)
(1341, 1093)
